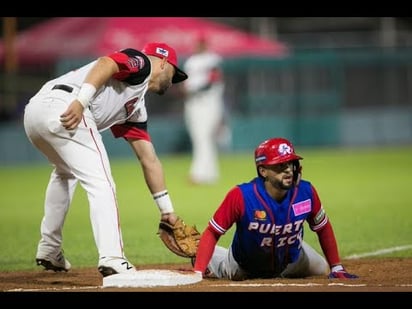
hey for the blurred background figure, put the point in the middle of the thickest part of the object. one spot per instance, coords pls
(204, 113)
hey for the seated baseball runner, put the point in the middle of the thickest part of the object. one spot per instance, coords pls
(64, 120)
(269, 212)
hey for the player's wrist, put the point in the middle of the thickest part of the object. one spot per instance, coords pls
(338, 267)
(163, 202)
(86, 93)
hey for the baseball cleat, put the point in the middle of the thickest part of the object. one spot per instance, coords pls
(114, 265)
(55, 263)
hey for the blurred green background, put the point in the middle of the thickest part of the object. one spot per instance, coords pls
(366, 193)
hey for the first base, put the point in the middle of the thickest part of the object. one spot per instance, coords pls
(151, 278)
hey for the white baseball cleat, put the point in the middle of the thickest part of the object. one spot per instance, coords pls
(114, 265)
(55, 262)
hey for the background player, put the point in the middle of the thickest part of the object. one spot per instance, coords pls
(63, 121)
(269, 212)
(204, 112)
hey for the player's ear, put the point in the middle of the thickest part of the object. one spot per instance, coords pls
(261, 171)
(163, 63)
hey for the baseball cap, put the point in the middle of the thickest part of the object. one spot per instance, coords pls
(162, 50)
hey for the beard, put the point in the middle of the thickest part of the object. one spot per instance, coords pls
(282, 184)
(164, 85)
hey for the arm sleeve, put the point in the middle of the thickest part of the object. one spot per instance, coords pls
(126, 66)
(328, 244)
(133, 131)
(206, 248)
(228, 213)
(319, 223)
(134, 66)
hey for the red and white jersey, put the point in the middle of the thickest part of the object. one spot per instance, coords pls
(121, 98)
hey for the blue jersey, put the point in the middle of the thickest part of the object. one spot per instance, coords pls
(268, 234)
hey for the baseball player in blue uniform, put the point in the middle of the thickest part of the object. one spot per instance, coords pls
(269, 213)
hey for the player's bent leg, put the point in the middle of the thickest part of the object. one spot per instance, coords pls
(59, 193)
(94, 174)
(318, 265)
(309, 263)
(215, 265)
(58, 198)
(223, 265)
(233, 270)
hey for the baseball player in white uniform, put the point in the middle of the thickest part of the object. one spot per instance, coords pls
(63, 121)
(203, 112)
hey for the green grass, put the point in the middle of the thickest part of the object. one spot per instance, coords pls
(367, 194)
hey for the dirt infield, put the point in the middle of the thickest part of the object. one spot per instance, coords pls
(376, 275)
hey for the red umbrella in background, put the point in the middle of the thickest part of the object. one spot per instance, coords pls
(74, 37)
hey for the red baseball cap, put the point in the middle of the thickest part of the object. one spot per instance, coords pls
(162, 50)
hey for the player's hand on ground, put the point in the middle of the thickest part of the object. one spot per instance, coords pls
(342, 275)
(339, 272)
(71, 118)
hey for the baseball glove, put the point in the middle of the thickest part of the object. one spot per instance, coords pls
(179, 238)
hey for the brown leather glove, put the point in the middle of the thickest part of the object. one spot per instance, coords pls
(179, 238)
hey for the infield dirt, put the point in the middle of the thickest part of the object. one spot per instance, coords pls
(375, 275)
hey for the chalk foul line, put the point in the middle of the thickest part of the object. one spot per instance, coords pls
(379, 252)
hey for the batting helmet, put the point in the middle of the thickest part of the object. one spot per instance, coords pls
(275, 151)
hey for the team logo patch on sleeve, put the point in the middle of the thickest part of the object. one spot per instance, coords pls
(136, 62)
(302, 207)
(319, 216)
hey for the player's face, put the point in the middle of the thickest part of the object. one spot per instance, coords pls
(280, 175)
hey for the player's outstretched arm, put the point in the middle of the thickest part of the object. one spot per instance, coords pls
(329, 246)
(154, 178)
(150, 163)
